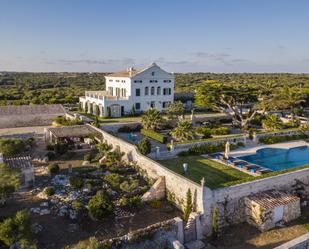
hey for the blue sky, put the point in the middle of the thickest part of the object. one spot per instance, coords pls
(180, 35)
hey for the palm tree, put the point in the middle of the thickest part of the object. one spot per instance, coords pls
(272, 123)
(152, 119)
(183, 131)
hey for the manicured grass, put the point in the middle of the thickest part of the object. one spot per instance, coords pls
(216, 174)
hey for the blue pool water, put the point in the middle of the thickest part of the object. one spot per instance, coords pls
(279, 159)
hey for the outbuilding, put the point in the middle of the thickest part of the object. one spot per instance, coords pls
(266, 209)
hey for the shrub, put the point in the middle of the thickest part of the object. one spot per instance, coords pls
(16, 228)
(189, 206)
(154, 135)
(76, 181)
(87, 157)
(11, 146)
(208, 149)
(144, 146)
(114, 180)
(49, 191)
(205, 132)
(155, 204)
(50, 147)
(77, 205)
(220, 131)
(51, 155)
(125, 129)
(280, 139)
(129, 186)
(53, 168)
(132, 202)
(100, 206)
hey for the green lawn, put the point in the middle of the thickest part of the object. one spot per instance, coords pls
(216, 174)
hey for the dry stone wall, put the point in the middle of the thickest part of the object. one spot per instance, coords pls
(176, 185)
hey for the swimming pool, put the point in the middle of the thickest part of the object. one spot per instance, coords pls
(278, 158)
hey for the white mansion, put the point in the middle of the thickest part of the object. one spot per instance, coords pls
(131, 91)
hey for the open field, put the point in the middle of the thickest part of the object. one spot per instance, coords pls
(216, 174)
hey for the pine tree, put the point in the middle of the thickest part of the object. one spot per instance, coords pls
(189, 206)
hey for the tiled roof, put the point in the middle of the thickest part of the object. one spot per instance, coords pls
(11, 110)
(272, 198)
(124, 73)
(20, 162)
(73, 131)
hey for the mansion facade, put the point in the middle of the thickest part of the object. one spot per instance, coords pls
(131, 91)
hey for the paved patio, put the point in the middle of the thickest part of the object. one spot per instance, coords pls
(252, 150)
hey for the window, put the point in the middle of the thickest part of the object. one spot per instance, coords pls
(152, 91)
(123, 92)
(110, 90)
(137, 92)
(110, 80)
(146, 91)
(153, 73)
(158, 90)
(123, 81)
(138, 81)
(137, 106)
(152, 104)
(166, 104)
(117, 80)
(167, 81)
(167, 91)
(153, 81)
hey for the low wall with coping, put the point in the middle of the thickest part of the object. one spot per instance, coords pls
(176, 185)
(301, 242)
(229, 201)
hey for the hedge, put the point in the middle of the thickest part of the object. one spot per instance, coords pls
(154, 135)
(280, 139)
(208, 149)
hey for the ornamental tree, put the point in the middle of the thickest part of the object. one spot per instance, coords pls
(234, 98)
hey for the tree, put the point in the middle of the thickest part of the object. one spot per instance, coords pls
(91, 108)
(100, 206)
(9, 182)
(175, 109)
(11, 146)
(16, 229)
(272, 123)
(144, 146)
(233, 98)
(289, 98)
(152, 119)
(183, 131)
(103, 148)
(189, 206)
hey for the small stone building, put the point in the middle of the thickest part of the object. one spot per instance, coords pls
(24, 165)
(265, 209)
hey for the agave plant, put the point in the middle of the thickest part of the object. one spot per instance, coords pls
(183, 131)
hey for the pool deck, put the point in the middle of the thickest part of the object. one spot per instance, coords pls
(252, 150)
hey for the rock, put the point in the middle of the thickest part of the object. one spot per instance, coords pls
(35, 210)
(86, 163)
(63, 211)
(37, 228)
(44, 204)
(44, 211)
(197, 244)
(60, 180)
(73, 214)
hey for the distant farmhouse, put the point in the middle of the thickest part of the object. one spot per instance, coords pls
(29, 115)
(131, 91)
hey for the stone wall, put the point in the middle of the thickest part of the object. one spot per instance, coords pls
(176, 185)
(229, 201)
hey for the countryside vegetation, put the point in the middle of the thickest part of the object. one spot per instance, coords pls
(41, 88)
